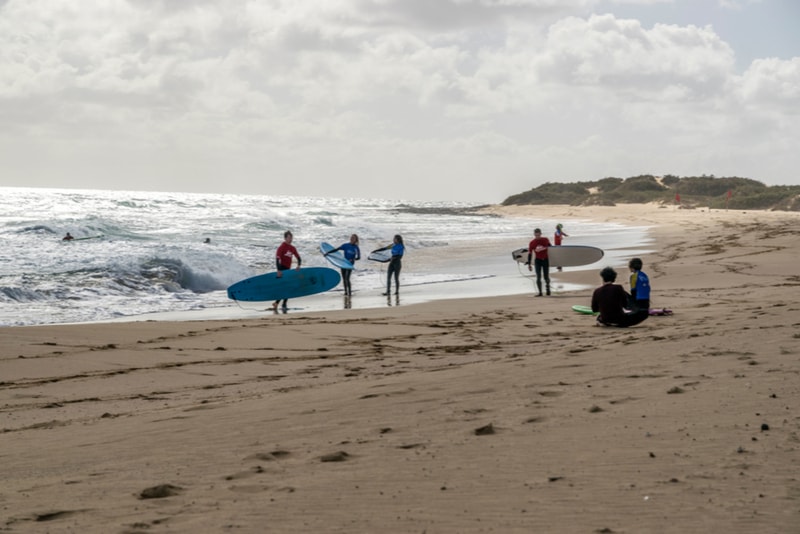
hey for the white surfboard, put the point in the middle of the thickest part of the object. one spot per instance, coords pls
(565, 255)
(383, 256)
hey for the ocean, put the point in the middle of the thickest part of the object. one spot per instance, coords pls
(143, 255)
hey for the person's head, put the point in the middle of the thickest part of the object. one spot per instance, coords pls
(635, 264)
(537, 232)
(559, 226)
(398, 239)
(287, 236)
(608, 274)
(354, 239)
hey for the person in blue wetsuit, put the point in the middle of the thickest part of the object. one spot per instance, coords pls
(640, 285)
(395, 264)
(351, 254)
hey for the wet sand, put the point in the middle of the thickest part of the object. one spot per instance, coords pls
(502, 414)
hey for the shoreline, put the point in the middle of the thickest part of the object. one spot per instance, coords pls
(504, 280)
(508, 413)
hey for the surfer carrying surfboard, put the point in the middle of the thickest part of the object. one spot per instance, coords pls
(538, 250)
(559, 235)
(351, 254)
(610, 300)
(283, 262)
(396, 263)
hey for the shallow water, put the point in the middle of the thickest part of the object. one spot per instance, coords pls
(143, 253)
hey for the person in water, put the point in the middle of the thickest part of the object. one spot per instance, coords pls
(538, 250)
(351, 254)
(559, 235)
(610, 301)
(283, 261)
(640, 285)
(67, 237)
(395, 264)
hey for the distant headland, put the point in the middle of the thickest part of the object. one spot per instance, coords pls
(689, 192)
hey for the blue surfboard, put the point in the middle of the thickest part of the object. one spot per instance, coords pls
(337, 258)
(292, 284)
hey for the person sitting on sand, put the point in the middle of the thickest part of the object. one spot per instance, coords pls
(640, 285)
(610, 300)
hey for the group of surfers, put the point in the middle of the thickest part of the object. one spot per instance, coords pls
(287, 252)
(614, 306)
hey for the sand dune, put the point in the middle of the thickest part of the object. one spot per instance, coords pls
(508, 414)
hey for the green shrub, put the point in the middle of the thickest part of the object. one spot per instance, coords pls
(695, 191)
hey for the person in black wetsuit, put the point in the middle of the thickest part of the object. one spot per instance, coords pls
(610, 300)
(351, 254)
(396, 263)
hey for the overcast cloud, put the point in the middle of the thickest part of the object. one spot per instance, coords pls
(419, 99)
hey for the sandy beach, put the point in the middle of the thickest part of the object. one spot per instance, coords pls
(507, 414)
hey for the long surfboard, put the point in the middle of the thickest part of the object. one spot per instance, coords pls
(383, 256)
(337, 258)
(564, 255)
(293, 283)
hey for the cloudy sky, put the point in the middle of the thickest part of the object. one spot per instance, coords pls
(470, 100)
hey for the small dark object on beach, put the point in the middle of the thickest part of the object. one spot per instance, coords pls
(485, 430)
(340, 456)
(159, 492)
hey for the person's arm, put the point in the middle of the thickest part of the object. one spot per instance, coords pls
(358, 253)
(299, 259)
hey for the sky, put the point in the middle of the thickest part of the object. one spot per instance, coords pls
(450, 100)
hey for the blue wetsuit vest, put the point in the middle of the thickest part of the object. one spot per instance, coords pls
(351, 252)
(641, 288)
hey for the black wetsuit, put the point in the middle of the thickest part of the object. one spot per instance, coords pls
(395, 265)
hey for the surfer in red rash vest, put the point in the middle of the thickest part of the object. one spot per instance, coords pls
(538, 247)
(283, 261)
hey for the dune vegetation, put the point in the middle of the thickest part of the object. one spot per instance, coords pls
(689, 192)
